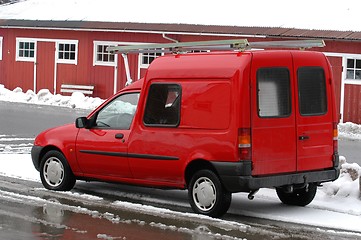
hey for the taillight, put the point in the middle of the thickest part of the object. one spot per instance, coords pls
(335, 138)
(244, 144)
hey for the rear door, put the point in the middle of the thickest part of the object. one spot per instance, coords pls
(273, 115)
(314, 111)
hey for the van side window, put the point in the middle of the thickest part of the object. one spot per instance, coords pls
(119, 113)
(163, 105)
(312, 91)
(273, 95)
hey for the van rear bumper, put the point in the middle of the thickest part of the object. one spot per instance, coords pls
(236, 177)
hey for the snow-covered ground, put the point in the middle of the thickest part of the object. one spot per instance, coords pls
(76, 100)
(337, 204)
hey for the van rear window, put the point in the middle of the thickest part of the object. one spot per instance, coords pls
(273, 95)
(312, 91)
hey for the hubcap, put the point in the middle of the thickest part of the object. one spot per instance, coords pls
(53, 172)
(204, 194)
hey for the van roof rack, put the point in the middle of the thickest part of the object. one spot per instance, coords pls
(183, 47)
(234, 44)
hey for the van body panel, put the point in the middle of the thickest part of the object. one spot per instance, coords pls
(198, 100)
(208, 116)
(239, 181)
(273, 134)
(99, 153)
(315, 127)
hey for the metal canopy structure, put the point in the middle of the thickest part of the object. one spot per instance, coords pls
(234, 44)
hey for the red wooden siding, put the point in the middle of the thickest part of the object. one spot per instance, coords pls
(103, 80)
(352, 106)
(336, 65)
(14, 73)
(45, 60)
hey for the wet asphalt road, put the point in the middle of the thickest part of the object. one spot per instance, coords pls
(20, 123)
(28, 212)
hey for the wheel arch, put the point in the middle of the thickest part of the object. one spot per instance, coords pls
(196, 165)
(48, 148)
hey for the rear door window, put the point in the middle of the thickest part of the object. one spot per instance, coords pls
(312, 91)
(273, 85)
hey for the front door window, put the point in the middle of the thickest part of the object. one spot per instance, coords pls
(119, 113)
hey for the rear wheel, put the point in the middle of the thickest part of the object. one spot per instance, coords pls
(299, 197)
(207, 195)
(55, 172)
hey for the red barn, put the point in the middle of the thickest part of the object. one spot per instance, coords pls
(38, 54)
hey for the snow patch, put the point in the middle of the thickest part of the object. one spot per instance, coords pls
(348, 184)
(349, 130)
(45, 97)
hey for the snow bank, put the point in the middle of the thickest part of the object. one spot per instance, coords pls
(44, 96)
(348, 184)
(349, 130)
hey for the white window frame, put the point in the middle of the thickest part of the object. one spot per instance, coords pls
(96, 62)
(67, 61)
(354, 69)
(21, 58)
(141, 55)
(1, 48)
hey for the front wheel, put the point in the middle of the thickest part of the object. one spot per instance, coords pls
(299, 197)
(55, 172)
(207, 195)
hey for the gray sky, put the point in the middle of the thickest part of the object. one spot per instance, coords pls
(310, 14)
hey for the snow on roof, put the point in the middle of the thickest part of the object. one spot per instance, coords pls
(306, 14)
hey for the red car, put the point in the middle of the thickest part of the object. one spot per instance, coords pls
(212, 123)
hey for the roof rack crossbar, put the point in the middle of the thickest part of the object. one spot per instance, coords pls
(300, 44)
(234, 44)
(240, 44)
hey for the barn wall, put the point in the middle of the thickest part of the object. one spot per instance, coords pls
(17, 73)
(352, 107)
(336, 67)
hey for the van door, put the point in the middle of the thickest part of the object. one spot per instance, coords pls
(314, 111)
(273, 115)
(102, 150)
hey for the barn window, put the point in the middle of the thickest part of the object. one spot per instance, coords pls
(25, 50)
(102, 56)
(147, 58)
(1, 48)
(353, 68)
(67, 52)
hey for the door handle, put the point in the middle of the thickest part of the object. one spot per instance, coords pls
(119, 136)
(303, 137)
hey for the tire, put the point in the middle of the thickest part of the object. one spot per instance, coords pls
(55, 172)
(207, 195)
(299, 197)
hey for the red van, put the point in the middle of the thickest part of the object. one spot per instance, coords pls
(214, 123)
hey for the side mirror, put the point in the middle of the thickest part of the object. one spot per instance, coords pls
(81, 122)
